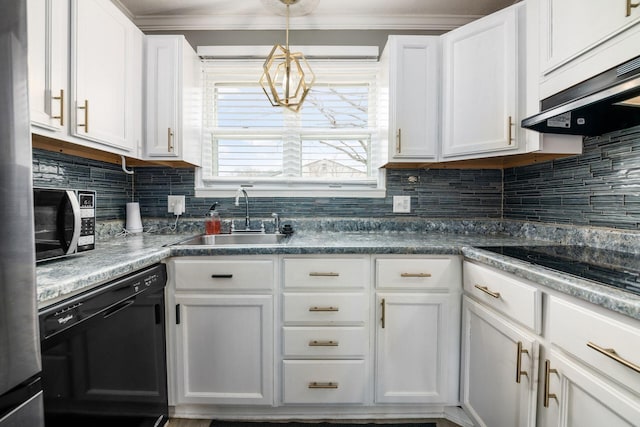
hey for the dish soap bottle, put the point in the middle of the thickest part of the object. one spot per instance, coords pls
(212, 223)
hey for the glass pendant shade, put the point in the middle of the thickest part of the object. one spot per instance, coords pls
(287, 76)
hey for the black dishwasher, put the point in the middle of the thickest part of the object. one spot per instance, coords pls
(103, 354)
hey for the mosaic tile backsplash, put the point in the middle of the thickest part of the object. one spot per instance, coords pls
(598, 188)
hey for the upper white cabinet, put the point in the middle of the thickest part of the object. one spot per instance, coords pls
(410, 77)
(106, 77)
(48, 63)
(173, 100)
(480, 85)
(581, 39)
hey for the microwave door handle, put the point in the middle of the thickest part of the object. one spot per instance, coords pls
(77, 221)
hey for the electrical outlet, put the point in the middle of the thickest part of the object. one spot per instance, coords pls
(401, 204)
(175, 205)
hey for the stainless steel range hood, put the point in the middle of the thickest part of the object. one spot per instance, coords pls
(607, 102)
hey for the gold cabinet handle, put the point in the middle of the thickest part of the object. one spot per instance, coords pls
(415, 275)
(519, 371)
(85, 107)
(61, 99)
(330, 308)
(510, 124)
(170, 140)
(611, 353)
(382, 313)
(486, 290)
(320, 343)
(547, 373)
(320, 274)
(399, 141)
(630, 6)
(316, 384)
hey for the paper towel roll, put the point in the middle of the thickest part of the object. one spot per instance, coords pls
(134, 223)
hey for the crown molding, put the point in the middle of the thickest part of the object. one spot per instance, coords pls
(312, 22)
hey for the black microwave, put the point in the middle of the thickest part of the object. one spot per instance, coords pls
(65, 222)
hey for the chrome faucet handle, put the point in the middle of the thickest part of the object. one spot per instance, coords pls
(276, 220)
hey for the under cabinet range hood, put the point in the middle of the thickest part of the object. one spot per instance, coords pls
(607, 102)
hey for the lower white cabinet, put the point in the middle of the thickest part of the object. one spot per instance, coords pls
(573, 396)
(412, 362)
(224, 345)
(499, 365)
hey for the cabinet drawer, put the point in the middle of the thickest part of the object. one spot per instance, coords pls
(325, 272)
(418, 273)
(324, 308)
(324, 342)
(517, 299)
(308, 381)
(224, 274)
(597, 340)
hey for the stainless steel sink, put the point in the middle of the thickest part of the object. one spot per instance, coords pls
(234, 239)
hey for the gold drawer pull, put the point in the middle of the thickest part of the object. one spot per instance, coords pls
(330, 384)
(329, 343)
(331, 308)
(631, 5)
(510, 124)
(547, 373)
(519, 371)
(611, 353)
(415, 275)
(399, 141)
(170, 140)
(486, 290)
(320, 274)
(383, 307)
(61, 99)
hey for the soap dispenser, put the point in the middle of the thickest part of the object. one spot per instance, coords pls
(212, 223)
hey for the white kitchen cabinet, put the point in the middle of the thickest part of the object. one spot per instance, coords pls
(499, 369)
(48, 63)
(224, 347)
(410, 90)
(573, 396)
(579, 40)
(106, 77)
(173, 100)
(480, 85)
(221, 330)
(412, 364)
(417, 329)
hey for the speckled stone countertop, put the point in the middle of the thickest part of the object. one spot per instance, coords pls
(118, 256)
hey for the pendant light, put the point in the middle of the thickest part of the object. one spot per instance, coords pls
(287, 75)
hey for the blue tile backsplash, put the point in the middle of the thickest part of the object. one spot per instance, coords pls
(598, 188)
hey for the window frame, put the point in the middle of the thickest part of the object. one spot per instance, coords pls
(229, 71)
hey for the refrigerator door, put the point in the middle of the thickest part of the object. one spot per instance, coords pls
(19, 341)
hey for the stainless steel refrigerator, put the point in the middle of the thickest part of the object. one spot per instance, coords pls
(20, 390)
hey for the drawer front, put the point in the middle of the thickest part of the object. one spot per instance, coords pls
(224, 274)
(418, 273)
(600, 341)
(324, 308)
(340, 273)
(518, 300)
(322, 382)
(324, 342)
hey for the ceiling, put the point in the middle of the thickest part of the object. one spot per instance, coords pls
(441, 15)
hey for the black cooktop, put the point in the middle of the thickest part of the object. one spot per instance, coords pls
(612, 268)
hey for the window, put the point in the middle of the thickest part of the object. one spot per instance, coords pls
(329, 147)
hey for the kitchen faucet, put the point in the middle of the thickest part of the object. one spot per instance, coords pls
(241, 192)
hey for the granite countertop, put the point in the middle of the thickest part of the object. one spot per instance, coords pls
(118, 256)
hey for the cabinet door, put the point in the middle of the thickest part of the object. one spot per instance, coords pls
(576, 397)
(570, 28)
(480, 86)
(106, 61)
(414, 97)
(224, 349)
(48, 62)
(493, 349)
(412, 354)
